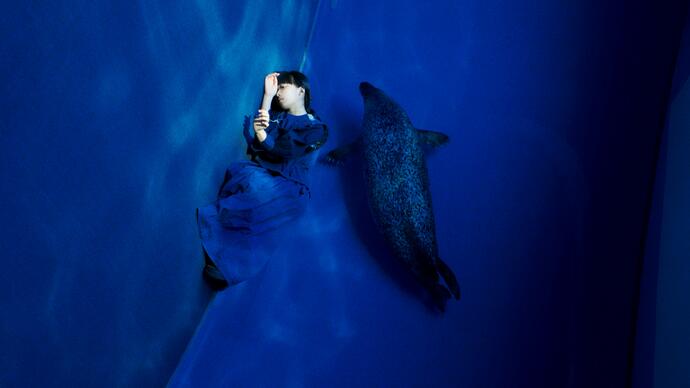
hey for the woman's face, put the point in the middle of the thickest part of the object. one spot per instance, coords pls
(290, 95)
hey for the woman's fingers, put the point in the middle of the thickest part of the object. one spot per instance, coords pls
(273, 77)
(261, 122)
(263, 115)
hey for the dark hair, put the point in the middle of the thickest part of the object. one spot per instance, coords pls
(300, 80)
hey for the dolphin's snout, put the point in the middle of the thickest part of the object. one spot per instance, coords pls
(365, 87)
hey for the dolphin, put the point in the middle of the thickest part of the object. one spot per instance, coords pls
(397, 184)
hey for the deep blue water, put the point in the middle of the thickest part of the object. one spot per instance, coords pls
(563, 188)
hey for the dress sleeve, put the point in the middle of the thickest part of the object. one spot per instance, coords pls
(298, 141)
(250, 136)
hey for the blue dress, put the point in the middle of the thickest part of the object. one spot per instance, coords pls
(259, 195)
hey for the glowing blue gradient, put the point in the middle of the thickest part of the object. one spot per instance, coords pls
(118, 121)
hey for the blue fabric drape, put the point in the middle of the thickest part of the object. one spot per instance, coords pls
(258, 196)
(251, 203)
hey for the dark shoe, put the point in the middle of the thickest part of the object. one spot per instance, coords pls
(214, 278)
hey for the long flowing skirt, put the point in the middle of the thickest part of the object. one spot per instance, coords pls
(236, 228)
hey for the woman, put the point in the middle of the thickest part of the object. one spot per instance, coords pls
(270, 189)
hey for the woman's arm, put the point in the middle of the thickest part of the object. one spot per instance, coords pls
(266, 102)
(261, 121)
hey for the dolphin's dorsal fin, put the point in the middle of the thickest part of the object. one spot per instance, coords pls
(431, 138)
(340, 154)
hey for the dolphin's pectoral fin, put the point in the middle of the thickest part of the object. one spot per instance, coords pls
(431, 138)
(448, 277)
(340, 154)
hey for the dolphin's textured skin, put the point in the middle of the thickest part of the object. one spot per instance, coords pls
(398, 188)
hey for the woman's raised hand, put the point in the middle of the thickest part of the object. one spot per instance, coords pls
(261, 120)
(271, 84)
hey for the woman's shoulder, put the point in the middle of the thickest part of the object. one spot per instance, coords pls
(305, 120)
(314, 119)
(311, 122)
(297, 122)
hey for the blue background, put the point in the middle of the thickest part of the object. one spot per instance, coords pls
(119, 120)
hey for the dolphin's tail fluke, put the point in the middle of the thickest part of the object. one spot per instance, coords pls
(440, 295)
(448, 277)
